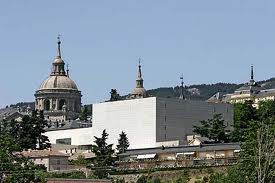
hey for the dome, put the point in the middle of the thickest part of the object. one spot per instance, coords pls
(58, 60)
(139, 92)
(58, 82)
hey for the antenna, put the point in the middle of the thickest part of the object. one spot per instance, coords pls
(181, 89)
(68, 71)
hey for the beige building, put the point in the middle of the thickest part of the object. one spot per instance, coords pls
(250, 91)
(51, 159)
(182, 156)
(58, 96)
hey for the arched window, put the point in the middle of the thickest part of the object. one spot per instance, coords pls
(76, 106)
(61, 103)
(46, 105)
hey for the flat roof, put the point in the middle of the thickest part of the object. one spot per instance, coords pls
(186, 148)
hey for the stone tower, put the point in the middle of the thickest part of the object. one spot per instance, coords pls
(58, 96)
(139, 91)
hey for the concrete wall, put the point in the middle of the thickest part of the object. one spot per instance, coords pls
(81, 136)
(137, 118)
(148, 122)
(176, 118)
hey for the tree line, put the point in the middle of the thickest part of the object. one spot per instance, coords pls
(27, 134)
(254, 129)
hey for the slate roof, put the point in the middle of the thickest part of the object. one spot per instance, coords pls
(265, 93)
(217, 97)
(204, 139)
(249, 87)
(73, 124)
(11, 113)
(180, 149)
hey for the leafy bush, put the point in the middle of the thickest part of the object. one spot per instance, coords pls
(142, 179)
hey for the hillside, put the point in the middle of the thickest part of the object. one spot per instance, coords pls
(204, 91)
(194, 92)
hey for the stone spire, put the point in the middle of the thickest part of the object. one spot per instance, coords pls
(139, 91)
(58, 47)
(181, 88)
(252, 81)
(139, 81)
(58, 63)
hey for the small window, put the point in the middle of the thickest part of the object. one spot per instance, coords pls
(67, 141)
(61, 103)
(47, 105)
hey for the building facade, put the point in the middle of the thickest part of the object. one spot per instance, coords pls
(181, 156)
(250, 91)
(58, 96)
(51, 159)
(148, 122)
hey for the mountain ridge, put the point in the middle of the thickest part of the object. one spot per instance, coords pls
(192, 92)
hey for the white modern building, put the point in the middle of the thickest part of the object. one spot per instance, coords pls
(148, 122)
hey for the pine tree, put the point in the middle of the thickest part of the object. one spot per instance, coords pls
(29, 132)
(123, 142)
(243, 114)
(103, 153)
(13, 166)
(114, 95)
(214, 129)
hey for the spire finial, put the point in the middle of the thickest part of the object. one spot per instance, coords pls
(58, 44)
(252, 73)
(139, 68)
(68, 71)
(181, 89)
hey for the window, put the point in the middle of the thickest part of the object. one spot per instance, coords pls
(46, 105)
(66, 141)
(76, 106)
(61, 103)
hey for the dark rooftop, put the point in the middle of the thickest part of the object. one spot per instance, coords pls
(186, 148)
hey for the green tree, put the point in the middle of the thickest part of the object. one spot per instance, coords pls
(142, 179)
(13, 166)
(123, 142)
(243, 114)
(29, 132)
(84, 114)
(213, 129)
(266, 110)
(114, 95)
(80, 160)
(103, 153)
(256, 163)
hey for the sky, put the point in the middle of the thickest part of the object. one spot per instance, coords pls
(208, 41)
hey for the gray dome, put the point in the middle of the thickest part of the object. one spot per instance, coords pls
(58, 82)
(139, 91)
(58, 60)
